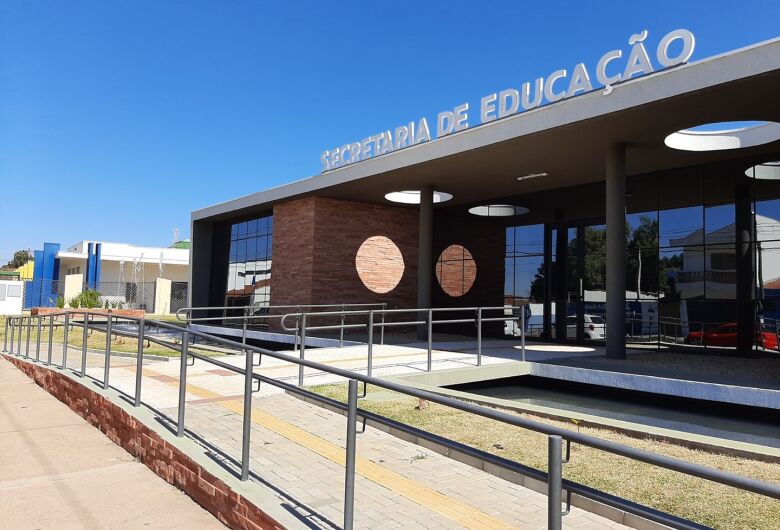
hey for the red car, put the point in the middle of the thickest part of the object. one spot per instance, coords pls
(726, 335)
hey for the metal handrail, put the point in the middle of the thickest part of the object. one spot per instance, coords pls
(301, 327)
(555, 434)
(180, 314)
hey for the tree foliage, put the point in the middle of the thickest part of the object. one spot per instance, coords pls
(20, 258)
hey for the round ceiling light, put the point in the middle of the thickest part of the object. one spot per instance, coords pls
(724, 135)
(765, 171)
(498, 210)
(413, 197)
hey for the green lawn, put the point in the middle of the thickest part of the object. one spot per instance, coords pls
(696, 499)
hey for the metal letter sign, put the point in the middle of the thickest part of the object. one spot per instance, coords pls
(557, 86)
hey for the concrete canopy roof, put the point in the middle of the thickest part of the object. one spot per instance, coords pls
(567, 139)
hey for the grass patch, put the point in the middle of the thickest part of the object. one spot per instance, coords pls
(692, 498)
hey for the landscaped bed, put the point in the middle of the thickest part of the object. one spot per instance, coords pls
(692, 498)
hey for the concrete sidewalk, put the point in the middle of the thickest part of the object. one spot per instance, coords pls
(57, 471)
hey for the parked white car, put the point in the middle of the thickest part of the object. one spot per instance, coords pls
(595, 327)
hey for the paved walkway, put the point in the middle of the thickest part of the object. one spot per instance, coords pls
(57, 471)
(298, 448)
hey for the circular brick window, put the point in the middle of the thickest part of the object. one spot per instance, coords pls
(379, 264)
(456, 270)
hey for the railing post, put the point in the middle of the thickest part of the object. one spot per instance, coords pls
(522, 332)
(479, 336)
(247, 427)
(38, 341)
(185, 346)
(370, 340)
(382, 329)
(430, 339)
(84, 337)
(107, 363)
(13, 332)
(139, 363)
(5, 335)
(243, 327)
(351, 449)
(19, 339)
(65, 341)
(29, 331)
(341, 329)
(51, 338)
(302, 349)
(554, 483)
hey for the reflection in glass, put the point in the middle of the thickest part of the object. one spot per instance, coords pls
(681, 226)
(249, 267)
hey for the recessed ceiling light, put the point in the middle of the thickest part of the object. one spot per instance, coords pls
(765, 171)
(498, 210)
(724, 135)
(413, 196)
(533, 176)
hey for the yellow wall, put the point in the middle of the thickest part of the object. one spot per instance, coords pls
(26, 271)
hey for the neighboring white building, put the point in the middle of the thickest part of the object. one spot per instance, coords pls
(122, 262)
(719, 266)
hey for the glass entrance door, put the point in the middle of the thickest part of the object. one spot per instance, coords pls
(579, 292)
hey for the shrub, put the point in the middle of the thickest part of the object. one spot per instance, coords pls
(75, 302)
(60, 302)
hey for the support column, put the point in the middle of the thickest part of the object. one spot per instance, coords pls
(616, 251)
(746, 323)
(424, 253)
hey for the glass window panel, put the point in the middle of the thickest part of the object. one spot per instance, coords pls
(768, 220)
(509, 280)
(241, 251)
(233, 231)
(642, 229)
(683, 269)
(719, 221)
(270, 222)
(242, 229)
(251, 249)
(529, 240)
(681, 226)
(721, 272)
(233, 251)
(262, 245)
(269, 246)
(510, 240)
(261, 227)
(529, 278)
(251, 228)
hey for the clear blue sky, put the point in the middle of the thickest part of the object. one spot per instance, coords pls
(117, 119)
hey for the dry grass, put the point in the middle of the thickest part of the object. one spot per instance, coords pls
(695, 499)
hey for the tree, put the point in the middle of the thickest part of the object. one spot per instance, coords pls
(20, 258)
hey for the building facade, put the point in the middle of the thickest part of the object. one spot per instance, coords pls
(123, 273)
(607, 212)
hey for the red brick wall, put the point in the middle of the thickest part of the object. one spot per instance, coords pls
(293, 252)
(164, 459)
(316, 241)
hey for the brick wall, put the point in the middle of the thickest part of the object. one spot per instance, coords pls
(166, 460)
(293, 252)
(316, 241)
